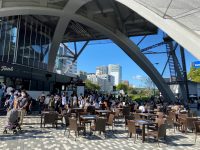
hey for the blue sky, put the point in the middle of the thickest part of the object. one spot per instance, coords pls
(104, 52)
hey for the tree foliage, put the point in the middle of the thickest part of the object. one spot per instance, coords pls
(91, 86)
(131, 90)
(122, 86)
(194, 74)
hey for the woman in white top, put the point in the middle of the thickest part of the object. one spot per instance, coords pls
(64, 100)
(75, 101)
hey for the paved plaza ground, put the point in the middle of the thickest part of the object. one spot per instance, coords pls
(32, 137)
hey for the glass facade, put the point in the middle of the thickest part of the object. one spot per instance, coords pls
(24, 40)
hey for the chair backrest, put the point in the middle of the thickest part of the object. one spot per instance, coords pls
(50, 117)
(183, 116)
(82, 113)
(160, 121)
(162, 130)
(100, 124)
(190, 123)
(160, 114)
(137, 116)
(169, 120)
(66, 117)
(117, 112)
(73, 124)
(130, 117)
(111, 118)
(135, 107)
(131, 126)
(126, 111)
(91, 109)
(197, 126)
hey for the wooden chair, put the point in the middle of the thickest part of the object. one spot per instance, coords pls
(50, 118)
(73, 125)
(189, 124)
(132, 129)
(100, 125)
(127, 118)
(170, 122)
(197, 129)
(158, 123)
(126, 111)
(137, 116)
(66, 118)
(117, 114)
(83, 122)
(160, 114)
(160, 133)
(110, 121)
(177, 123)
(91, 110)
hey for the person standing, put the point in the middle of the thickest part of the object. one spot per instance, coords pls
(75, 101)
(41, 101)
(46, 101)
(64, 100)
(1, 95)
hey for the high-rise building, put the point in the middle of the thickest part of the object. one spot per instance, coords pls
(116, 71)
(101, 70)
(126, 82)
(105, 81)
(64, 64)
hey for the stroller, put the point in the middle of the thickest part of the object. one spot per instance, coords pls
(12, 122)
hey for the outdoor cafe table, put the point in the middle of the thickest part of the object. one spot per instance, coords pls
(103, 111)
(143, 123)
(77, 110)
(147, 115)
(42, 116)
(88, 118)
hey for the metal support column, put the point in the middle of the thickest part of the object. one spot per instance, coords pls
(179, 74)
(184, 70)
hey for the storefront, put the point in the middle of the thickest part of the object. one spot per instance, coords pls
(22, 77)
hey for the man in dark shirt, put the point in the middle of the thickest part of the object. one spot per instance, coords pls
(23, 100)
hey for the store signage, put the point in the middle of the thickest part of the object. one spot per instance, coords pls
(196, 64)
(6, 68)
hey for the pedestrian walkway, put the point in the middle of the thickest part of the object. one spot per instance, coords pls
(32, 137)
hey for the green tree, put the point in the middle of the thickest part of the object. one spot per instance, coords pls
(131, 90)
(194, 74)
(91, 86)
(122, 86)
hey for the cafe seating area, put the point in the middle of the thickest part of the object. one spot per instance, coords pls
(153, 127)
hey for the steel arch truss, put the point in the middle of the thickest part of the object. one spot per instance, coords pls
(171, 27)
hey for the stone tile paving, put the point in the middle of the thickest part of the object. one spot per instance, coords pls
(32, 137)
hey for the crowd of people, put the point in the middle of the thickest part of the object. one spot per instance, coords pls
(17, 99)
(64, 102)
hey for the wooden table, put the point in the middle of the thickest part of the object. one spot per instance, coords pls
(147, 115)
(88, 117)
(143, 123)
(103, 111)
(42, 116)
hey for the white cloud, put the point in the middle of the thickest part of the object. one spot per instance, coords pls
(138, 77)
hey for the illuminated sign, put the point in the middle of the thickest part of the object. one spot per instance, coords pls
(196, 64)
(6, 68)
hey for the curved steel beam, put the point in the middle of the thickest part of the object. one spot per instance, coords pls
(186, 37)
(174, 29)
(12, 11)
(71, 7)
(133, 51)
